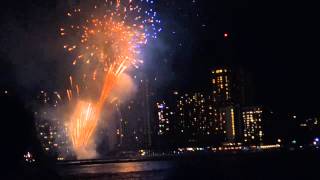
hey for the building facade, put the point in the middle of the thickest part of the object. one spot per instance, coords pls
(252, 117)
(190, 119)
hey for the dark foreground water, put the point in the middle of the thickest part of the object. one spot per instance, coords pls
(275, 165)
(120, 170)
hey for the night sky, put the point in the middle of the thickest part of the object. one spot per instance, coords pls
(277, 42)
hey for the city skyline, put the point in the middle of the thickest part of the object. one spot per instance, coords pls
(223, 115)
(219, 117)
(229, 89)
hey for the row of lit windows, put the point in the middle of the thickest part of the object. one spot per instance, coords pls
(219, 71)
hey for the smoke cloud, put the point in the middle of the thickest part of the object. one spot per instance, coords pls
(124, 88)
(105, 133)
(88, 152)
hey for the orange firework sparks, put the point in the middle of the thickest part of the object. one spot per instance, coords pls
(104, 45)
(83, 123)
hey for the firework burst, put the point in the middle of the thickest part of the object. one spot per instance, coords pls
(104, 39)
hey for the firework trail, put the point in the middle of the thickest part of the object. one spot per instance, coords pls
(104, 39)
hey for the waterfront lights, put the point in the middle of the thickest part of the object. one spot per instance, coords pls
(29, 158)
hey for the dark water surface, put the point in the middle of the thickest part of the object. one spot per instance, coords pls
(276, 165)
(122, 170)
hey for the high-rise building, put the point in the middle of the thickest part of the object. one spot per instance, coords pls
(167, 125)
(252, 118)
(243, 91)
(231, 90)
(232, 87)
(146, 98)
(164, 118)
(229, 117)
(227, 107)
(222, 86)
(193, 115)
(189, 118)
(135, 117)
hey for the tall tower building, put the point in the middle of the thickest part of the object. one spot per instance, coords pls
(222, 86)
(232, 87)
(223, 99)
(228, 97)
(146, 98)
(135, 118)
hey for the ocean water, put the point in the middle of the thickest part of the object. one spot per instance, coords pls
(269, 166)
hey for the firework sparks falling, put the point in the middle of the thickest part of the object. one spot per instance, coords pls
(104, 40)
(83, 118)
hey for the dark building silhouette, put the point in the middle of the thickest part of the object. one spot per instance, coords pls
(135, 116)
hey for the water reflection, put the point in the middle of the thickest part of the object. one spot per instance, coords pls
(114, 168)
